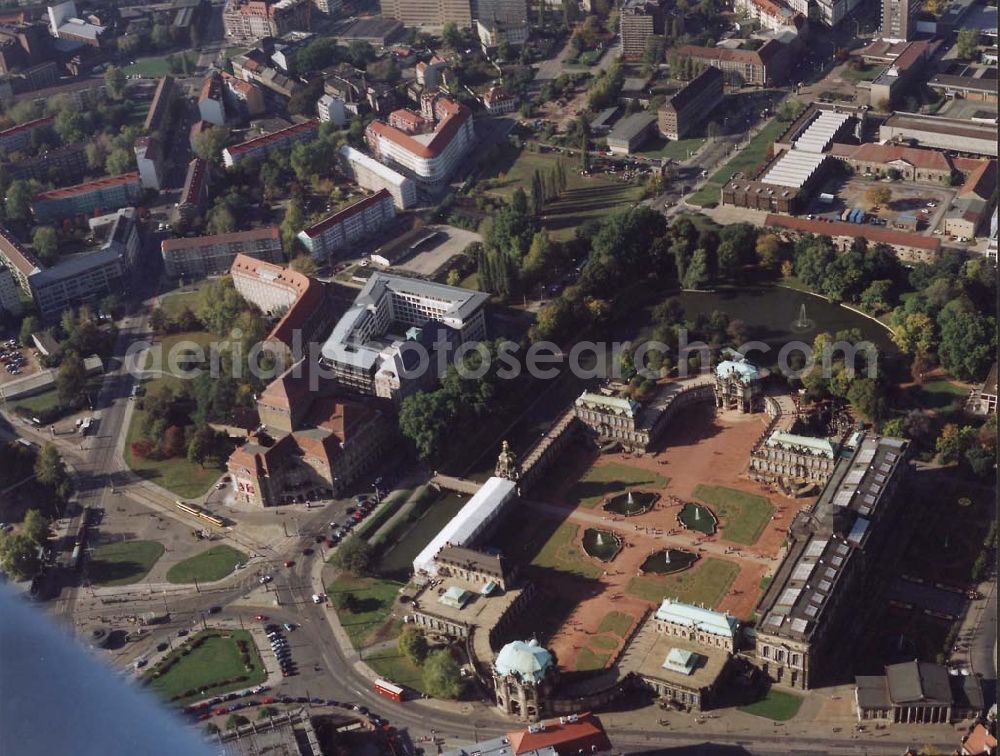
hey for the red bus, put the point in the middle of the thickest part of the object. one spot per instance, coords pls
(388, 689)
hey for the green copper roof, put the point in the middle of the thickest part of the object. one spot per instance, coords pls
(823, 446)
(619, 404)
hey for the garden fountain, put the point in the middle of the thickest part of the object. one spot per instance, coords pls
(698, 517)
(667, 561)
(601, 544)
(631, 503)
(802, 323)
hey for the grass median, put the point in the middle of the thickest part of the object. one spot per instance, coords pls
(208, 566)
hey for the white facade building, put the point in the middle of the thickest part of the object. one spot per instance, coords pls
(370, 174)
(331, 109)
(354, 222)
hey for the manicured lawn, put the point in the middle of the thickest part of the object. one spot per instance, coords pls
(123, 562)
(174, 302)
(938, 395)
(604, 479)
(561, 553)
(587, 660)
(396, 668)
(375, 598)
(216, 658)
(208, 566)
(673, 150)
(748, 159)
(44, 402)
(603, 642)
(868, 72)
(618, 623)
(742, 516)
(185, 479)
(776, 705)
(706, 583)
(155, 67)
(586, 197)
(181, 354)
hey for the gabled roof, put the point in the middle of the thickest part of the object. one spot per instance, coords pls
(456, 116)
(287, 389)
(567, 735)
(918, 682)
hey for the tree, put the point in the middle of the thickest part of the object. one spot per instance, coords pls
(878, 196)
(412, 644)
(201, 445)
(266, 712)
(160, 37)
(696, 274)
(423, 419)
(913, 333)
(50, 470)
(293, 222)
(29, 325)
(71, 380)
(354, 555)
(968, 341)
(980, 461)
(538, 255)
(35, 526)
(71, 126)
(451, 36)
(45, 242)
(768, 249)
(304, 264)
(210, 728)
(19, 556)
(209, 143)
(119, 161)
(18, 202)
(954, 442)
(114, 81)
(220, 220)
(442, 676)
(865, 396)
(236, 720)
(345, 602)
(967, 42)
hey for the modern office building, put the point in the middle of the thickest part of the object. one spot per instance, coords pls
(109, 193)
(430, 158)
(640, 21)
(355, 222)
(372, 175)
(813, 612)
(260, 147)
(85, 277)
(199, 256)
(248, 21)
(368, 357)
(686, 109)
(434, 13)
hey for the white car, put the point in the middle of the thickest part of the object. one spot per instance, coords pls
(264, 579)
(318, 598)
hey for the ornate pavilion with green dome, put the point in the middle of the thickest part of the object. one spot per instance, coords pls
(524, 678)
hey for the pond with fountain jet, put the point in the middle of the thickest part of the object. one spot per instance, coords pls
(668, 561)
(698, 517)
(601, 544)
(631, 503)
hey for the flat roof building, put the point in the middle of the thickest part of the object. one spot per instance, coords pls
(260, 147)
(108, 193)
(956, 135)
(631, 132)
(639, 21)
(372, 175)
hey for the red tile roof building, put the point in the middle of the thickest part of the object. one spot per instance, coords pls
(252, 20)
(430, 158)
(91, 197)
(199, 256)
(259, 147)
(19, 261)
(355, 222)
(313, 445)
(570, 735)
(908, 247)
(762, 67)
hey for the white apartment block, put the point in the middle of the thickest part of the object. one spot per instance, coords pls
(354, 222)
(370, 174)
(331, 109)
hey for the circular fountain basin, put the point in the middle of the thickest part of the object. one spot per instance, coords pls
(640, 503)
(698, 517)
(601, 544)
(659, 564)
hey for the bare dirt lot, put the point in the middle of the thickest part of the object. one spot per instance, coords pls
(906, 197)
(703, 455)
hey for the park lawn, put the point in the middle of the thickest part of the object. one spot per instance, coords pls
(603, 642)
(47, 401)
(673, 150)
(218, 658)
(561, 553)
(123, 562)
(746, 160)
(586, 197)
(618, 623)
(776, 705)
(173, 303)
(742, 516)
(156, 67)
(602, 480)
(208, 566)
(706, 583)
(396, 668)
(173, 348)
(187, 480)
(375, 599)
(588, 660)
(940, 395)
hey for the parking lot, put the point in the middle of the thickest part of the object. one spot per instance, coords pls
(906, 198)
(18, 362)
(449, 242)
